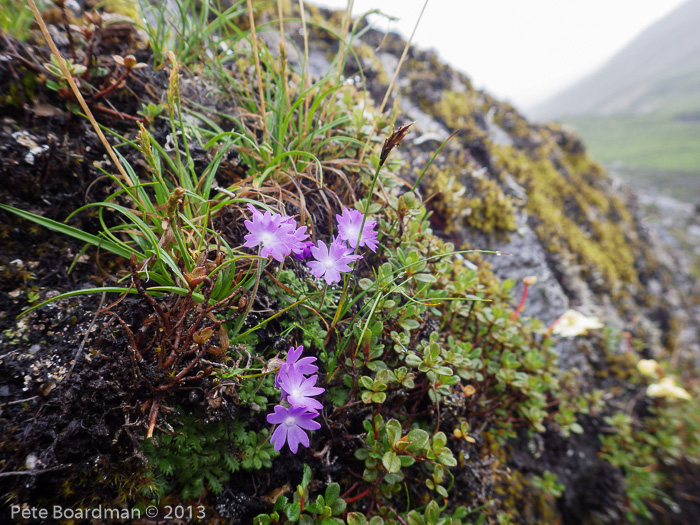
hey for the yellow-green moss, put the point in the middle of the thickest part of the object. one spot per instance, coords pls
(492, 211)
(458, 111)
(371, 60)
(575, 217)
(519, 501)
(465, 199)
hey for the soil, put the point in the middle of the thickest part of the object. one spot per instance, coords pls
(72, 409)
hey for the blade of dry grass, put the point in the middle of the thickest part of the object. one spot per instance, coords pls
(76, 91)
(393, 79)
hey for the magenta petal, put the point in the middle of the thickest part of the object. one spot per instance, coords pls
(308, 423)
(320, 250)
(294, 353)
(332, 276)
(317, 269)
(279, 415)
(297, 436)
(279, 436)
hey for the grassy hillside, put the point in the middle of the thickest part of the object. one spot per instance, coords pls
(640, 112)
(658, 68)
(158, 357)
(654, 143)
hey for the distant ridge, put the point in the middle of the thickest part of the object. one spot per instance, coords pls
(659, 70)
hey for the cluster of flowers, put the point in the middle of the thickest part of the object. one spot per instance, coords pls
(666, 386)
(297, 408)
(279, 238)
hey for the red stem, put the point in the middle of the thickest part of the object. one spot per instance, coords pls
(522, 303)
(358, 496)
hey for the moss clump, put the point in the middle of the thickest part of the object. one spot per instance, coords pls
(465, 196)
(491, 210)
(576, 219)
(372, 62)
(459, 111)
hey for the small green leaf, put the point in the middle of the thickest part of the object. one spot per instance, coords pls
(367, 382)
(413, 360)
(379, 397)
(576, 428)
(406, 461)
(361, 454)
(391, 462)
(332, 493)
(293, 511)
(447, 459)
(432, 513)
(338, 506)
(393, 431)
(306, 477)
(418, 439)
(439, 440)
(356, 518)
(409, 324)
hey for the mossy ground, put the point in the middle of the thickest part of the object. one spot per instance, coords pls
(436, 391)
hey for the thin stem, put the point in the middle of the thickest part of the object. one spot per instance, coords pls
(76, 92)
(343, 42)
(522, 303)
(258, 69)
(346, 279)
(306, 59)
(393, 81)
(251, 299)
(283, 51)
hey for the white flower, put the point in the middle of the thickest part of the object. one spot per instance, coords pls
(573, 323)
(667, 388)
(648, 368)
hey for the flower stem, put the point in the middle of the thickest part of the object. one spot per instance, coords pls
(251, 299)
(346, 278)
(527, 282)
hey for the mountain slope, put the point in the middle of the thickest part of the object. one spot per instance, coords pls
(658, 71)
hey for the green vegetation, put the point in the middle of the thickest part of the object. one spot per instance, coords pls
(432, 381)
(655, 142)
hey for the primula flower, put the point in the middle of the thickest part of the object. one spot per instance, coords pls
(303, 252)
(349, 224)
(292, 423)
(573, 323)
(298, 390)
(303, 365)
(667, 388)
(277, 234)
(331, 261)
(299, 235)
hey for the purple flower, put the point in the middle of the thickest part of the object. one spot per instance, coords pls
(299, 235)
(298, 390)
(349, 224)
(330, 262)
(304, 251)
(303, 365)
(277, 234)
(292, 423)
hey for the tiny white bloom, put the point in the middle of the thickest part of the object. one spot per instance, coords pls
(574, 323)
(648, 368)
(667, 388)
